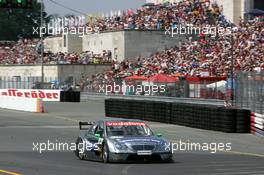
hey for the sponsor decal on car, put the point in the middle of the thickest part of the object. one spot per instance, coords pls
(125, 124)
(140, 140)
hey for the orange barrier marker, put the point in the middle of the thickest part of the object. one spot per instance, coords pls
(39, 106)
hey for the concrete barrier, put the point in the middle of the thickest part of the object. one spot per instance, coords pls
(45, 95)
(21, 104)
(29, 100)
(258, 115)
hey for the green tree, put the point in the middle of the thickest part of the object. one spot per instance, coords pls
(15, 23)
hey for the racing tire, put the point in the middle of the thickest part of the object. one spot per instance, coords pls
(169, 160)
(77, 151)
(105, 155)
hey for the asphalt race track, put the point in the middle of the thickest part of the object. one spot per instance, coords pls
(19, 130)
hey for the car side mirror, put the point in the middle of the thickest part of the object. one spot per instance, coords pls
(98, 136)
(159, 135)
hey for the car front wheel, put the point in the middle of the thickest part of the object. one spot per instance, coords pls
(79, 153)
(105, 155)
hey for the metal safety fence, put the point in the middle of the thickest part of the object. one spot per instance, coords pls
(86, 96)
(249, 91)
(28, 83)
(183, 88)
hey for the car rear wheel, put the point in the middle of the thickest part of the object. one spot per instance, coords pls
(79, 153)
(105, 155)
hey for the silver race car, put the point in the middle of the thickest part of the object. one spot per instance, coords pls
(117, 140)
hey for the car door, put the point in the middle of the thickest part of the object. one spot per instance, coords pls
(93, 145)
(90, 141)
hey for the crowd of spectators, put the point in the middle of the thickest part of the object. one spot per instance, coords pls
(210, 55)
(162, 16)
(149, 17)
(86, 57)
(24, 52)
(21, 52)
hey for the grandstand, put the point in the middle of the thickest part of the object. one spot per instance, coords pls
(135, 54)
(232, 9)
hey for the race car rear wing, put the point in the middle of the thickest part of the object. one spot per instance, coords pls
(81, 124)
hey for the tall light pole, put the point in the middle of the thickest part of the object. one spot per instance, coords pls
(41, 40)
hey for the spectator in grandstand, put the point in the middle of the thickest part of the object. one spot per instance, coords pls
(156, 17)
(161, 16)
(211, 54)
(24, 52)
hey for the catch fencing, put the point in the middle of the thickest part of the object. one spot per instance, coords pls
(29, 83)
(182, 88)
(86, 96)
(18, 82)
(249, 90)
(203, 88)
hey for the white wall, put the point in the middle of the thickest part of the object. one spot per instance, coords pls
(20, 104)
(130, 44)
(45, 95)
(76, 71)
(53, 44)
(74, 43)
(145, 43)
(51, 72)
(113, 41)
(29, 100)
(64, 43)
(28, 71)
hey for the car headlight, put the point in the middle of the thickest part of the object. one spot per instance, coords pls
(119, 146)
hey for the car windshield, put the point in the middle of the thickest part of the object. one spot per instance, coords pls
(133, 129)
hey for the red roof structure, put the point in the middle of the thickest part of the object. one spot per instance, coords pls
(163, 78)
(135, 78)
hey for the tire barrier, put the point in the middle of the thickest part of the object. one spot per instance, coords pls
(209, 117)
(204, 117)
(155, 109)
(70, 96)
(257, 124)
(243, 121)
